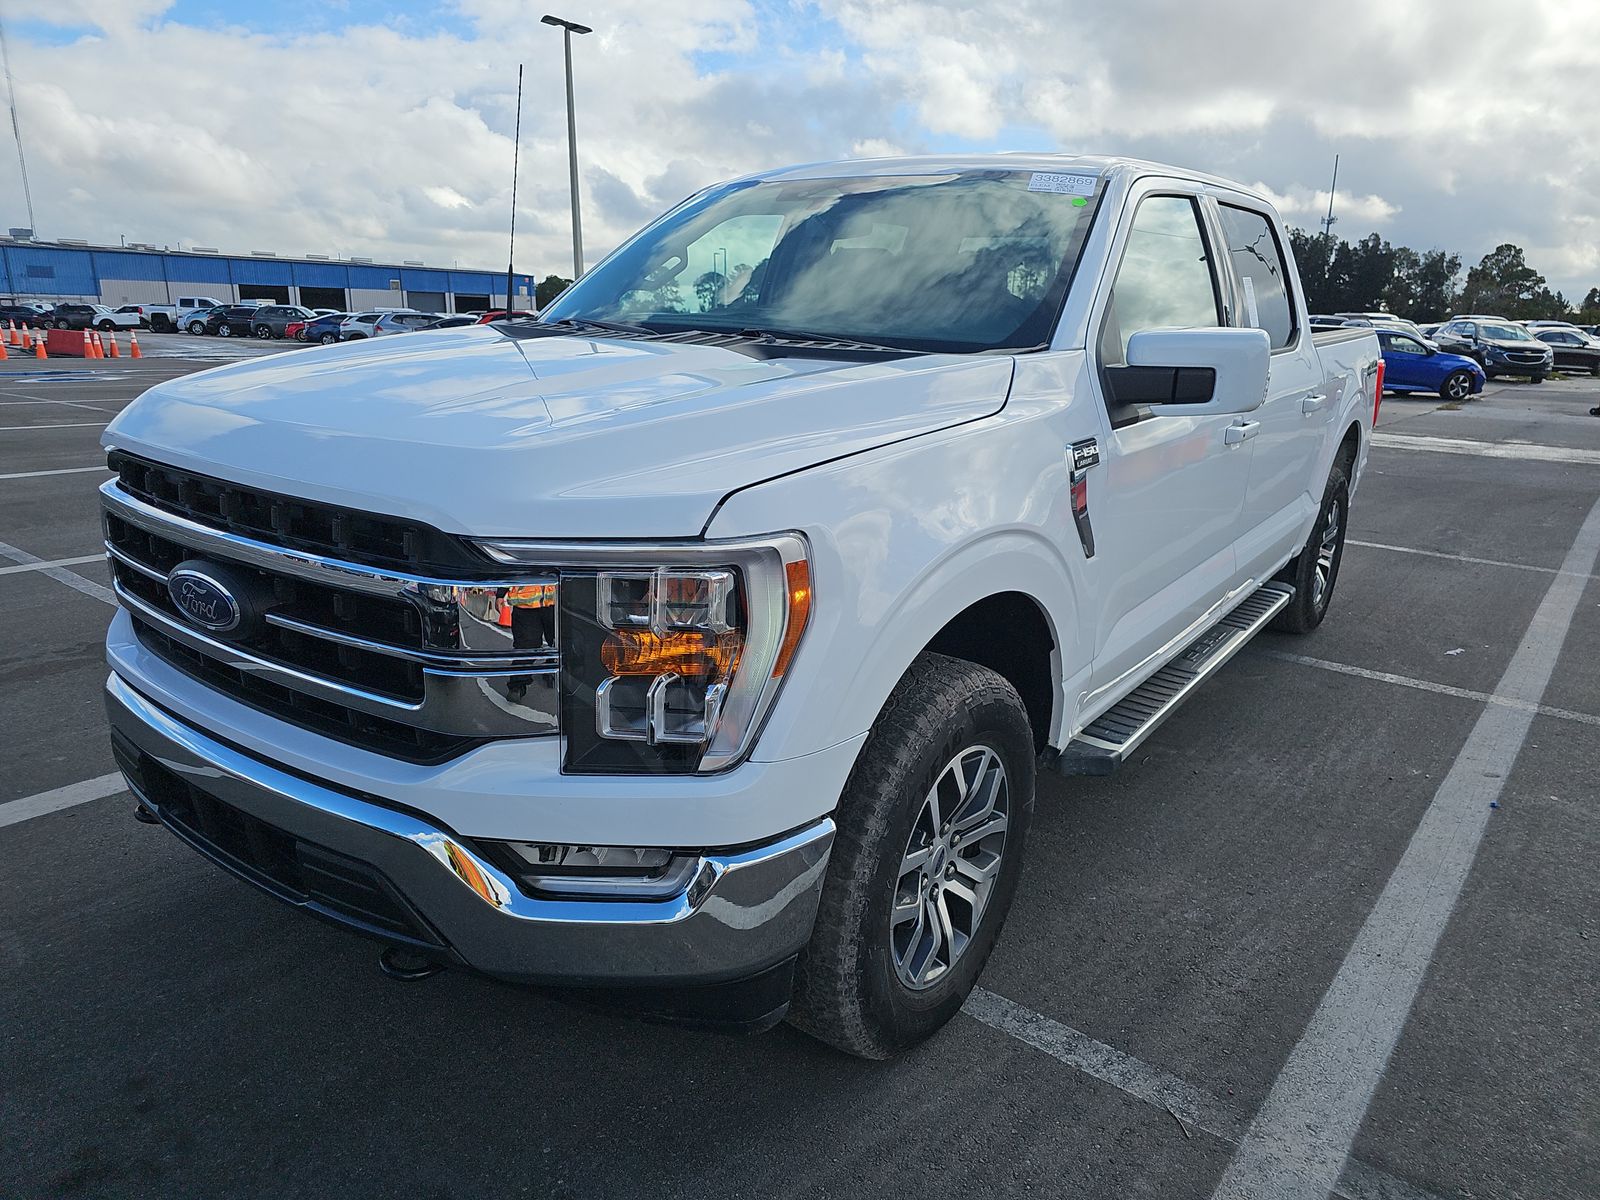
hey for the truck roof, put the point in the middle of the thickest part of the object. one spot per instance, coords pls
(1088, 164)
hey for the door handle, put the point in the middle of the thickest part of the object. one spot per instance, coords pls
(1313, 402)
(1241, 432)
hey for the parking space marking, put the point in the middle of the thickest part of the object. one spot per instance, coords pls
(1461, 558)
(1425, 685)
(1523, 450)
(15, 812)
(60, 574)
(57, 471)
(1301, 1137)
(1192, 1106)
(59, 425)
(42, 565)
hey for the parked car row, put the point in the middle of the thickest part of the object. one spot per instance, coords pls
(74, 316)
(1492, 346)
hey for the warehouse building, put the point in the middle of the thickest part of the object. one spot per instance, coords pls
(135, 274)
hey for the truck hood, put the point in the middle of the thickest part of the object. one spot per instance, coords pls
(477, 432)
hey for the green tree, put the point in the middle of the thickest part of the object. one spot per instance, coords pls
(1313, 255)
(1504, 284)
(708, 290)
(1433, 287)
(548, 289)
(1589, 310)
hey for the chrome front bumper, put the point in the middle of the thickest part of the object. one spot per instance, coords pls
(744, 911)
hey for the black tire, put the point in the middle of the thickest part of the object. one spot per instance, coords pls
(1535, 378)
(1310, 604)
(1456, 386)
(848, 991)
(264, 331)
(1594, 367)
(224, 330)
(106, 326)
(328, 339)
(63, 325)
(160, 323)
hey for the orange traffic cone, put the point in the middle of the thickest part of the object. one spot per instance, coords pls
(88, 345)
(3, 355)
(11, 333)
(115, 353)
(38, 346)
(133, 336)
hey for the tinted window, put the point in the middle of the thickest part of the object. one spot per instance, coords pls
(1164, 280)
(1258, 261)
(1398, 343)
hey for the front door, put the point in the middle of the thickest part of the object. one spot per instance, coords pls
(1167, 516)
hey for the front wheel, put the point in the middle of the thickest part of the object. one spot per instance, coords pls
(224, 330)
(1535, 378)
(1315, 570)
(931, 830)
(1457, 385)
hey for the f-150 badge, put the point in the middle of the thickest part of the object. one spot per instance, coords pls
(1085, 454)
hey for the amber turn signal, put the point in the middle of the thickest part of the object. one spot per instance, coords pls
(688, 655)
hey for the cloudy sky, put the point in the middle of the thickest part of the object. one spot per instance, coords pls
(385, 129)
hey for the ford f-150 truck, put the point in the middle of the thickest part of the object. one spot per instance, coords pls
(170, 318)
(697, 643)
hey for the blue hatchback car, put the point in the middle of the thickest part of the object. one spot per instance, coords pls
(1410, 366)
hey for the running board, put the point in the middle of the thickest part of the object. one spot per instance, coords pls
(1111, 737)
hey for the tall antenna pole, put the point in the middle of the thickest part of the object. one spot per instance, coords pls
(1327, 222)
(516, 152)
(16, 126)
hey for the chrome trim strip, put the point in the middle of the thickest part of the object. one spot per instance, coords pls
(134, 564)
(498, 704)
(455, 663)
(303, 564)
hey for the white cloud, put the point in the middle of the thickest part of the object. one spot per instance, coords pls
(394, 140)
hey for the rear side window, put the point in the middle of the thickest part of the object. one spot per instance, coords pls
(1164, 280)
(1258, 261)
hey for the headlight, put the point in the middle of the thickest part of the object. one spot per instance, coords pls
(670, 656)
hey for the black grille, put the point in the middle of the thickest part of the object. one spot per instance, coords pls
(325, 529)
(334, 885)
(349, 725)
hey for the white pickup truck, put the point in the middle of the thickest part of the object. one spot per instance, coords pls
(171, 318)
(697, 643)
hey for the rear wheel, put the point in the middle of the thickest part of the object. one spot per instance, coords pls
(1457, 385)
(328, 339)
(106, 326)
(932, 826)
(224, 330)
(1315, 570)
(63, 324)
(264, 331)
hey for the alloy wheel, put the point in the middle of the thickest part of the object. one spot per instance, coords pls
(950, 867)
(1327, 552)
(1459, 387)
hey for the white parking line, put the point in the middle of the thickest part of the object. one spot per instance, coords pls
(1298, 1143)
(15, 812)
(1460, 558)
(1424, 685)
(59, 425)
(60, 574)
(42, 565)
(1192, 1106)
(1522, 450)
(58, 471)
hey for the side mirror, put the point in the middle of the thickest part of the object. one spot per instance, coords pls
(1213, 370)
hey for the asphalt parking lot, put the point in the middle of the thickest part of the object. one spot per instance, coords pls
(1174, 960)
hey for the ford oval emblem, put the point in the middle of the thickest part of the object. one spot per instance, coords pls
(203, 600)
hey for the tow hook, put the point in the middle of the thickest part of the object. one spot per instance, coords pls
(142, 813)
(406, 966)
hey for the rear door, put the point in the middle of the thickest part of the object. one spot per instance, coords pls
(1405, 362)
(1282, 494)
(1167, 517)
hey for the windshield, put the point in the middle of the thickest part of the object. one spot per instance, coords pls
(962, 262)
(1505, 333)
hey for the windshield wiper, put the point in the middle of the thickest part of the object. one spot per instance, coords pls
(799, 336)
(609, 326)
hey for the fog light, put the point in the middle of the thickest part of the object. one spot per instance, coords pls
(615, 872)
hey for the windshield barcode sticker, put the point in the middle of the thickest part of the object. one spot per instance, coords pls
(1067, 185)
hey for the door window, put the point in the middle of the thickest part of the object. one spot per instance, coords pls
(1258, 262)
(1165, 279)
(1398, 343)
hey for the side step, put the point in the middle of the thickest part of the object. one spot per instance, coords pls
(1111, 737)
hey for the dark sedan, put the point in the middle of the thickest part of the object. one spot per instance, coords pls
(273, 320)
(27, 316)
(324, 329)
(1573, 348)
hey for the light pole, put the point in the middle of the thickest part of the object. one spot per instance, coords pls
(568, 28)
(516, 151)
